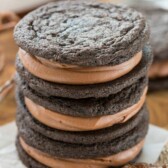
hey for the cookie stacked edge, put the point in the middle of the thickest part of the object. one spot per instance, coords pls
(81, 85)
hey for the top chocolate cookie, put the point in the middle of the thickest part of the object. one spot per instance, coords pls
(83, 33)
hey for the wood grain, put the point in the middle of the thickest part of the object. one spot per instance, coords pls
(158, 108)
(8, 105)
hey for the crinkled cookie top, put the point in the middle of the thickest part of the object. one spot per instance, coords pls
(83, 33)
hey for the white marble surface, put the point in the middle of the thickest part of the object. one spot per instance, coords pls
(155, 141)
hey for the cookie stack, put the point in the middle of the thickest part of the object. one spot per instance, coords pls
(158, 20)
(81, 85)
(158, 74)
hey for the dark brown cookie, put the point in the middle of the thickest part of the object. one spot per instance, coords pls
(158, 20)
(26, 159)
(89, 137)
(31, 163)
(91, 106)
(87, 91)
(83, 151)
(83, 33)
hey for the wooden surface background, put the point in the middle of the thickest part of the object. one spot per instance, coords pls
(157, 102)
(8, 105)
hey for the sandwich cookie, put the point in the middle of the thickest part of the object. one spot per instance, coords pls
(81, 85)
(98, 90)
(40, 160)
(91, 107)
(158, 20)
(89, 34)
(80, 137)
(66, 150)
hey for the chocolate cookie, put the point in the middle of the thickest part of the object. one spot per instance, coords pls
(83, 33)
(89, 137)
(158, 20)
(26, 159)
(81, 85)
(86, 91)
(91, 106)
(82, 151)
(30, 162)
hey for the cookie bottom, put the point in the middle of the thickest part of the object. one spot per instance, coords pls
(29, 162)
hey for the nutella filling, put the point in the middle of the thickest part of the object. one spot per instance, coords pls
(105, 162)
(71, 74)
(70, 123)
(159, 70)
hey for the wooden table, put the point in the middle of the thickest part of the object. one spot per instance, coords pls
(8, 105)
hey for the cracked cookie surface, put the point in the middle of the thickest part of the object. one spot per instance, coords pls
(83, 33)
